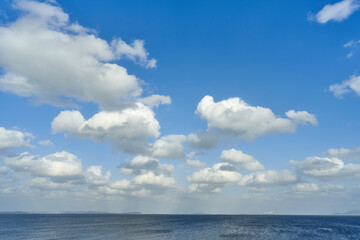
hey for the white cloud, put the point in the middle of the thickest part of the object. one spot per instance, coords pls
(238, 157)
(169, 147)
(353, 45)
(194, 163)
(127, 129)
(142, 165)
(325, 168)
(155, 100)
(152, 180)
(337, 12)
(46, 143)
(44, 55)
(344, 153)
(60, 165)
(302, 117)
(235, 117)
(205, 140)
(221, 173)
(269, 178)
(353, 83)
(93, 176)
(212, 180)
(134, 51)
(14, 138)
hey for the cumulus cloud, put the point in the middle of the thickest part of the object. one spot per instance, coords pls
(269, 178)
(169, 147)
(344, 153)
(155, 100)
(14, 138)
(127, 129)
(238, 157)
(327, 168)
(302, 117)
(60, 165)
(235, 117)
(205, 140)
(62, 171)
(220, 173)
(46, 56)
(142, 165)
(336, 12)
(213, 179)
(135, 51)
(353, 83)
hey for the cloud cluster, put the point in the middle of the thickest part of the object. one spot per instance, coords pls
(238, 157)
(14, 138)
(327, 168)
(143, 165)
(71, 62)
(235, 117)
(128, 129)
(169, 147)
(269, 178)
(60, 165)
(344, 153)
(63, 171)
(337, 12)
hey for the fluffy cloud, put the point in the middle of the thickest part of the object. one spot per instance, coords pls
(14, 138)
(60, 165)
(135, 51)
(213, 179)
(326, 168)
(44, 55)
(127, 129)
(235, 117)
(302, 117)
(155, 100)
(353, 83)
(238, 157)
(336, 12)
(169, 147)
(142, 165)
(269, 178)
(152, 180)
(221, 173)
(344, 153)
(205, 140)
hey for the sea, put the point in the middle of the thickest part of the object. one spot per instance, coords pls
(146, 226)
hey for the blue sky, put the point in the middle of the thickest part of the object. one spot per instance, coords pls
(159, 107)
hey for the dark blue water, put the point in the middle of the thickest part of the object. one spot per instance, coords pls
(86, 226)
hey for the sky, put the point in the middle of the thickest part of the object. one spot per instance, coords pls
(236, 107)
